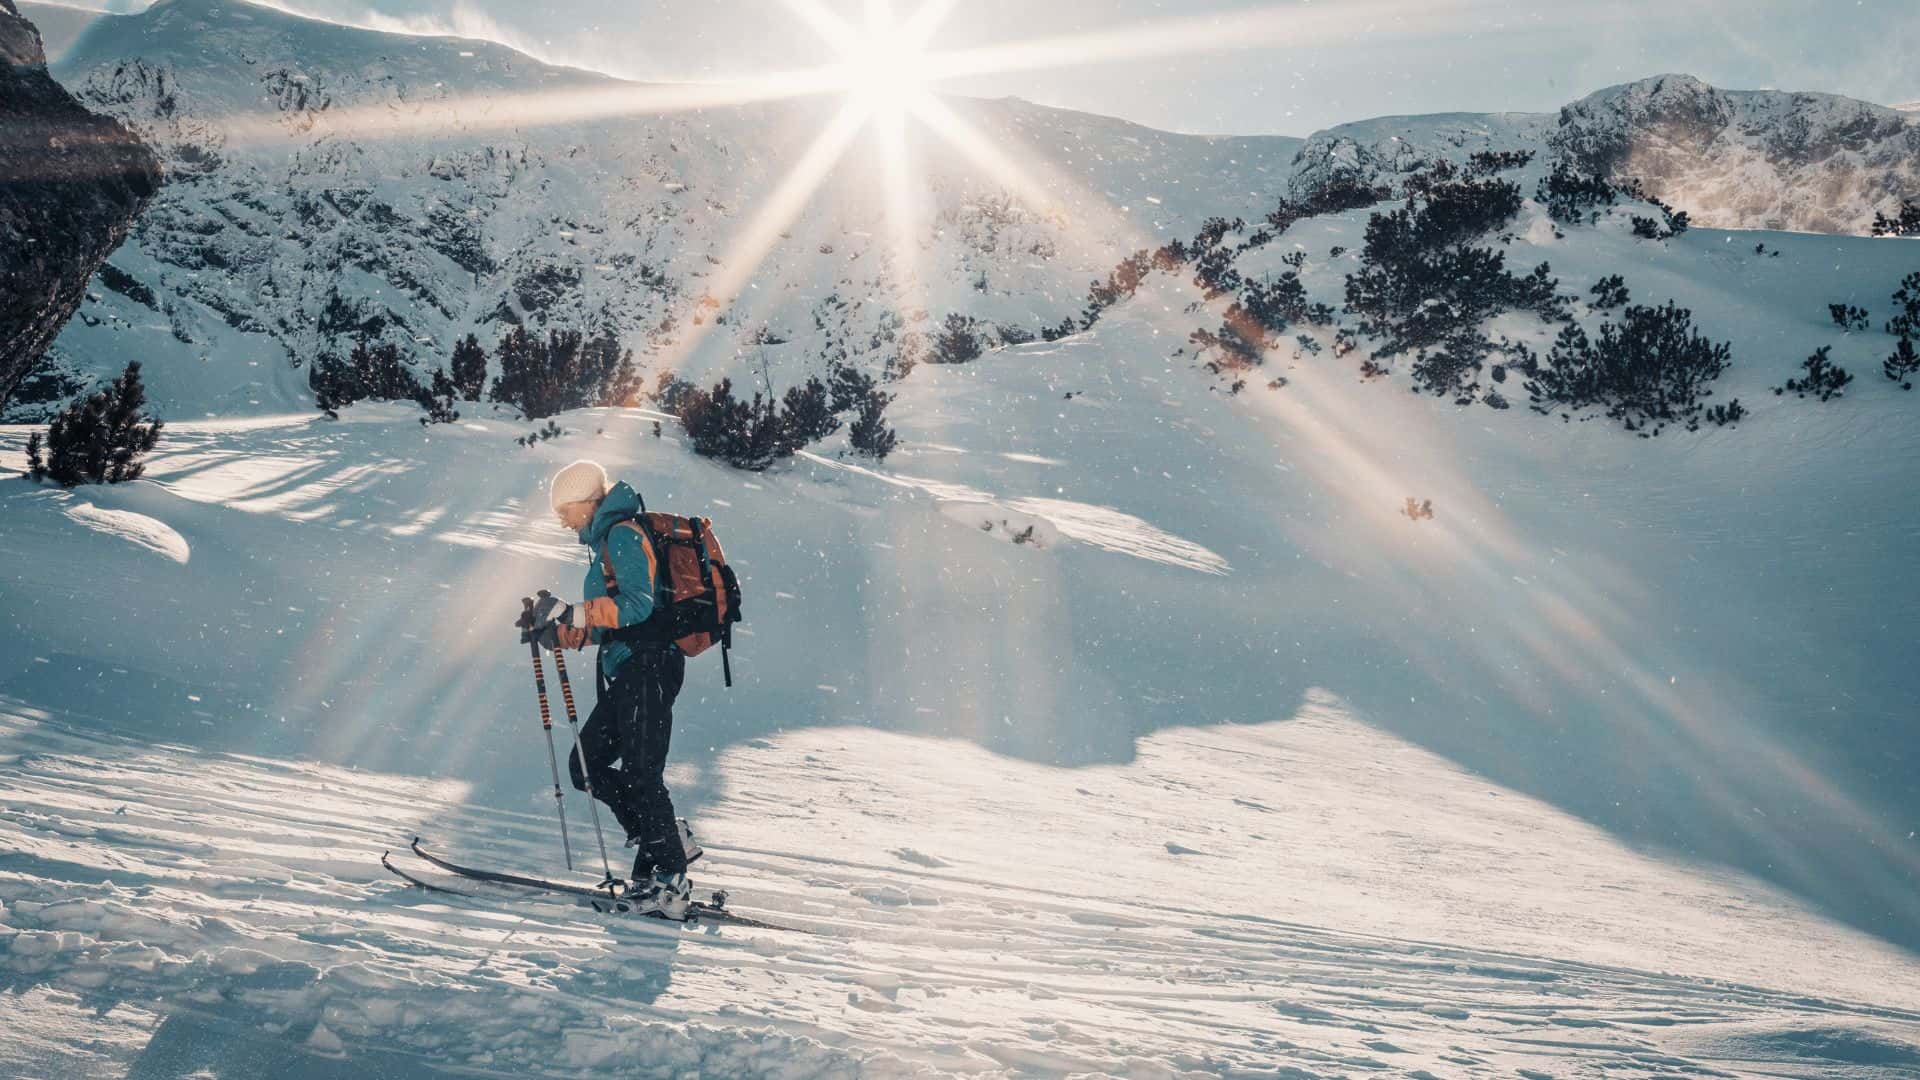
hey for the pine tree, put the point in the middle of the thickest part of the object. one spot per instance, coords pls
(522, 358)
(1906, 299)
(763, 438)
(382, 374)
(438, 400)
(957, 343)
(808, 416)
(36, 467)
(101, 437)
(1610, 292)
(1903, 363)
(606, 374)
(332, 385)
(469, 368)
(869, 434)
(848, 386)
(1824, 378)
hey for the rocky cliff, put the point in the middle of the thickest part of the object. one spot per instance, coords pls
(71, 183)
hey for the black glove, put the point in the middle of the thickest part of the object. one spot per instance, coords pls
(549, 609)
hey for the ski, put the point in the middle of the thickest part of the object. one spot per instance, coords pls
(604, 898)
(387, 862)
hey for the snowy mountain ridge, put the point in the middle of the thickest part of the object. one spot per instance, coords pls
(330, 182)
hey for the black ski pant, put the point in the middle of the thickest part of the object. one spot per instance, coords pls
(632, 723)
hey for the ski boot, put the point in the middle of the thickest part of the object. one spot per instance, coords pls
(662, 896)
(688, 844)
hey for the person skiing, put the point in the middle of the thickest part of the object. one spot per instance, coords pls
(640, 671)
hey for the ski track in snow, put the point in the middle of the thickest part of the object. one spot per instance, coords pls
(181, 892)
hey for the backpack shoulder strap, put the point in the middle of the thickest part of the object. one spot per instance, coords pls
(606, 556)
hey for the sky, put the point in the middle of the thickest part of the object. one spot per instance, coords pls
(1288, 67)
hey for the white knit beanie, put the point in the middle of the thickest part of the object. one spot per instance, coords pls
(579, 481)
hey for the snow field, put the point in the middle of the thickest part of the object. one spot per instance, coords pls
(1237, 771)
(234, 911)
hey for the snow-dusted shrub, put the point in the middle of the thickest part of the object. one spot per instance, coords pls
(1424, 285)
(1905, 223)
(958, 341)
(1649, 369)
(870, 434)
(807, 416)
(1673, 222)
(746, 435)
(1823, 379)
(1854, 320)
(1906, 303)
(1571, 196)
(1905, 325)
(1239, 344)
(438, 399)
(550, 430)
(1488, 162)
(469, 369)
(369, 373)
(1610, 292)
(1903, 363)
(1730, 413)
(1121, 283)
(99, 438)
(1341, 194)
(566, 370)
(847, 386)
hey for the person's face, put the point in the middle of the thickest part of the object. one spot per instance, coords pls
(575, 515)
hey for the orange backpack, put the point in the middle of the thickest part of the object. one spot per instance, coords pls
(701, 593)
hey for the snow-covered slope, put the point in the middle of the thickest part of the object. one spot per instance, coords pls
(329, 181)
(1114, 726)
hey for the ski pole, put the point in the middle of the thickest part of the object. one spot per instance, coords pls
(546, 724)
(573, 724)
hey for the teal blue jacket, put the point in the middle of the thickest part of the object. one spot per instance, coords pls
(633, 566)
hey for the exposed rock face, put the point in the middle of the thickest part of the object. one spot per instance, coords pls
(1733, 159)
(1383, 151)
(71, 183)
(1747, 158)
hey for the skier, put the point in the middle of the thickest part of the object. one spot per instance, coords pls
(640, 671)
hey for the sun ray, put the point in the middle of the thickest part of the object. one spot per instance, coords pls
(1294, 24)
(919, 28)
(497, 112)
(890, 133)
(762, 232)
(967, 139)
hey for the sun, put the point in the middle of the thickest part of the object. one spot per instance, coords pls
(884, 67)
